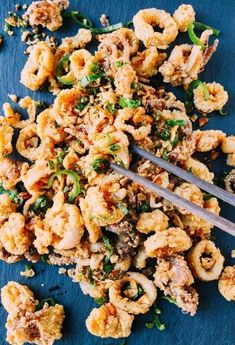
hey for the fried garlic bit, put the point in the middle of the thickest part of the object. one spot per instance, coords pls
(226, 283)
(218, 97)
(46, 13)
(206, 261)
(167, 242)
(124, 293)
(109, 321)
(183, 16)
(174, 278)
(39, 66)
(144, 22)
(24, 323)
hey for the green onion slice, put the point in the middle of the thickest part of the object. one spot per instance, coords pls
(172, 122)
(129, 103)
(194, 38)
(76, 180)
(89, 79)
(203, 27)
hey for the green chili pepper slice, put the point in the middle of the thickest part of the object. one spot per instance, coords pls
(194, 38)
(203, 27)
(61, 69)
(79, 18)
(76, 180)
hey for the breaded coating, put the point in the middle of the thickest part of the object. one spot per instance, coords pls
(24, 323)
(167, 242)
(174, 278)
(205, 261)
(183, 16)
(226, 283)
(46, 13)
(109, 321)
(217, 98)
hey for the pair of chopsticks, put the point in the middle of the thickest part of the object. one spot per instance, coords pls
(220, 222)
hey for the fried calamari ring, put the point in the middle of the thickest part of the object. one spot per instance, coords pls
(28, 143)
(218, 97)
(206, 261)
(39, 66)
(143, 303)
(144, 22)
(64, 108)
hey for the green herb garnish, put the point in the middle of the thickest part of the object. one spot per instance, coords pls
(156, 321)
(108, 246)
(50, 301)
(118, 64)
(164, 134)
(44, 258)
(13, 195)
(142, 208)
(170, 300)
(129, 103)
(41, 205)
(123, 208)
(82, 103)
(101, 165)
(114, 147)
(76, 183)
(107, 265)
(111, 108)
(99, 300)
(207, 196)
(89, 79)
(172, 122)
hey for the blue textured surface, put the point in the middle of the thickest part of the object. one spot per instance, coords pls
(215, 320)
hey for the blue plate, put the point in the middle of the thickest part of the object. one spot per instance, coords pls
(214, 324)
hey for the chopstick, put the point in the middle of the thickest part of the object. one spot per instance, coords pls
(185, 175)
(212, 218)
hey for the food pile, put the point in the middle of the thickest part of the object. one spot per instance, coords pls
(62, 202)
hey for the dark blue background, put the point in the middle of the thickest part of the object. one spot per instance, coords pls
(215, 320)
